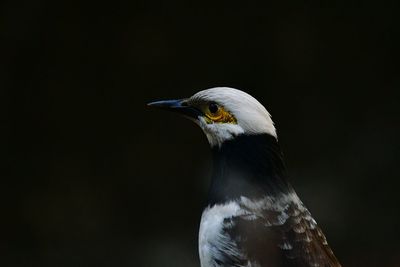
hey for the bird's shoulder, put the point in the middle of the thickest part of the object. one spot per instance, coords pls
(272, 232)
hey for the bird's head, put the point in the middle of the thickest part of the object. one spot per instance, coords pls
(223, 113)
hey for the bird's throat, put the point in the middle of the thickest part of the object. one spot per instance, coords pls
(249, 165)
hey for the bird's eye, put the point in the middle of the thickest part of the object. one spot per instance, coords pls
(213, 108)
(215, 113)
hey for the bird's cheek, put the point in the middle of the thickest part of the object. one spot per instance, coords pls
(208, 128)
(204, 125)
(208, 120)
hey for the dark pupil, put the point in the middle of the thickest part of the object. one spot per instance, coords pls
(213, 108)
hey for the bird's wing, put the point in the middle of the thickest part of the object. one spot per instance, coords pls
(278, 237)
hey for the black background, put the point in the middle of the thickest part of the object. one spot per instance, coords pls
(91, 177)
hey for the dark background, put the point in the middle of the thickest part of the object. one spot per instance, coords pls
(91, 177)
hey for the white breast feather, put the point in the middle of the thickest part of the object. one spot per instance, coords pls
(211, 238)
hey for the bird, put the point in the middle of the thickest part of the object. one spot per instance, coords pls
(252, 217)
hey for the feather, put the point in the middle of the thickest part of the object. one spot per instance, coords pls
(268, 232)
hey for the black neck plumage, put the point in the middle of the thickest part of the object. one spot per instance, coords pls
(249, 165)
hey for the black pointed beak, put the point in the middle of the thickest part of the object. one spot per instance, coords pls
(179, 106)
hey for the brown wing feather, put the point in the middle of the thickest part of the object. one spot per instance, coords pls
(303, 241)
(264, 238)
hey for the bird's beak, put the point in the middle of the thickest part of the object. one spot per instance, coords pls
(180, 106)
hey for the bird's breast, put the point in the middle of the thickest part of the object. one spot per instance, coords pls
(214, 243)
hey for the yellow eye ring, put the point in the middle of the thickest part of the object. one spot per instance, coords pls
(218, 114)
(215, 118)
